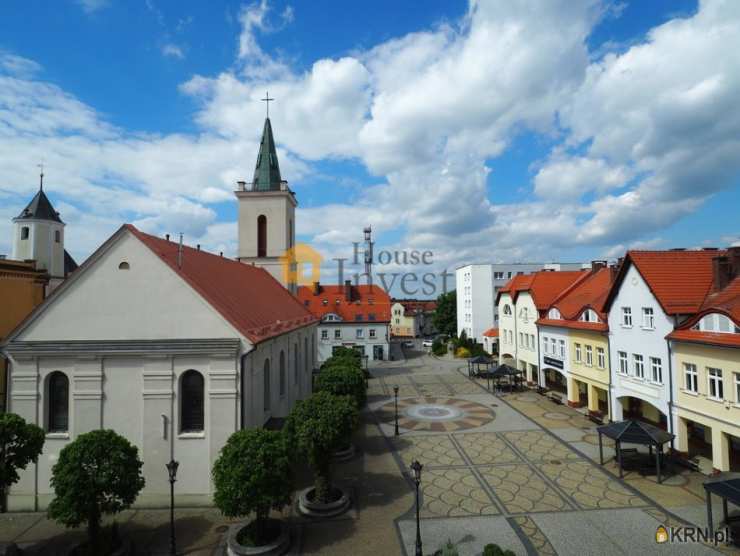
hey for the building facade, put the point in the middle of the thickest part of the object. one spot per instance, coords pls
(405, 323)
(352, 316)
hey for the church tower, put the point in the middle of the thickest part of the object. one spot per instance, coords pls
(266, 213)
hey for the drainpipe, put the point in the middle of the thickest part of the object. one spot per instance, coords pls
(539, 363)
(242, 365)
(516, 336)
(609, 392)
(670, 385)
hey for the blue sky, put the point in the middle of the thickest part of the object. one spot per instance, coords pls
(484, 131)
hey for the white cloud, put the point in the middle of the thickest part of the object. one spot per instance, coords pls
(172, 50)
(570, 178)
(92, 6)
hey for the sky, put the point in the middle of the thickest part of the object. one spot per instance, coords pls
(488, 131)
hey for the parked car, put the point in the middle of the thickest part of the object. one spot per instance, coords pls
(427, 343)
(408, 344)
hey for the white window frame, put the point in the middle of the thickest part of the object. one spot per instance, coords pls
(578, 353)
(359, 333)
(737, 387)
(562, 347)
(648, 318)
(372, 333)
(639, 363)
(521, 339)
(627, 317)
(600, 357)
(545, 347)
(337, 333)
(589, 356)
(715, 381)
(624, 363)
(553, 346)
(532, 341)
(656, 370)
(691, 378)
(324, 334)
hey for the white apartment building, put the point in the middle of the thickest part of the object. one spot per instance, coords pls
(478, 285)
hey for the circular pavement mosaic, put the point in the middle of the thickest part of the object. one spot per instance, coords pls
(437, 414)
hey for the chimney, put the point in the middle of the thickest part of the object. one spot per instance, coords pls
(179, 253)
(242, 185)
(220, 253)
(348, 290)
(316, 288)
(198, 247)
(167, 237)
(597, 265)
(721, 272)
(733, 253)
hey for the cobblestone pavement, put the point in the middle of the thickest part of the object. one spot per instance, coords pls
(522, 482)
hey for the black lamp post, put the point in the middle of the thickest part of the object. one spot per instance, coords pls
(172, 470)
(416, 467)
(395, 393)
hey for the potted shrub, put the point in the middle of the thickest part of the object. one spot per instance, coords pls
(317, 427)
(252, 475)
(20, 444)
(342, 379)
(97, 474)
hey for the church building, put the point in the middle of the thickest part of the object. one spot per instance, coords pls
(170, 346)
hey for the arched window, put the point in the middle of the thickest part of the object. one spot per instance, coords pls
(57, 236)
(295, 364)
(58, 419)
(24, 232)
(282, 373)
(261, 235)
(266, 385)
(507, 309)
(192, 402)
(124, 266)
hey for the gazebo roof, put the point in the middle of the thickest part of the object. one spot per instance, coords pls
(729, 489)
(504, 369)
(636, 432)
(480, 359)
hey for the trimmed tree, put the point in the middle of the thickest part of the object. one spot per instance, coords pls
(253, 474)
(318, 426)
(97, 474)
(20, 444)
(342, 379)
(445, 315)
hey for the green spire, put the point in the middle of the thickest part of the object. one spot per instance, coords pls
(267, 170)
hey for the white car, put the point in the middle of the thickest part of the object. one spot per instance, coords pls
(427, 343)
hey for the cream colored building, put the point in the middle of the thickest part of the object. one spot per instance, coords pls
(404, 323)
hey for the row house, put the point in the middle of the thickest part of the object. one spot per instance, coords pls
(574, 343)
(521, 302)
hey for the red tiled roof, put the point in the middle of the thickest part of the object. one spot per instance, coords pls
(491, 333)
(680, 280)
(247, 296)
(515, 286)
(574, 324)
(366, 300)
(416, 306)
(590, 293)
(725, 339)
(544, 286)
(726, 301)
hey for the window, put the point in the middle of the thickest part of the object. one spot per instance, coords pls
(358, 316)
(58, 418)
(648, 318)
(600, 358)
(124, 266)
(562, 348)
(589, 315)
(371, 316)
(524, 314)
(372, 333)
(737, 388)
(266, 385)
(715, 383)
(554, 314)
(507, 309)
(553, 346)
(337, 334)
(578, 353)
(521, 338)
(589, 355)
(498, 275)
(692, 378)
(24, 232)
(545, 347)
(656, 368)
(623, 365)
(324, 334)
(57, 236)
(191, 402)
(261, 235)
(360, 333)
(282, 373)
(627, 316)
(639, 366)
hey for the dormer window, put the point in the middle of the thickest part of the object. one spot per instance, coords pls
(589, 315)
(717, 323)
(554, 314)
(25, 230)
(57, 236)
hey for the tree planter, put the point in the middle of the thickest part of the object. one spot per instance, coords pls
(310, 508)
(345, 454)
(275, 548)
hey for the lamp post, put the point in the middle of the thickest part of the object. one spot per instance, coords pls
(395, 393)
(172, 470)
(416, 467)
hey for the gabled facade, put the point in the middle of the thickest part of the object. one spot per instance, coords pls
(172, 347)
(404, 323)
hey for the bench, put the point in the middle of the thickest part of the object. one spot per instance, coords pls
(555, 397)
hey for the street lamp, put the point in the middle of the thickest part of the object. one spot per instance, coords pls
(172, 470)
(395, 393)
(416, 467)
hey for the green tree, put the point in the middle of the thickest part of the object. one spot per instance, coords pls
(20, 444)
(253, 474)
(318, 426)
(343, 379)
(97, 474)
(445, 315)
(496, 550)
(345, 352)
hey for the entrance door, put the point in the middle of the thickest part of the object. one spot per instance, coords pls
(378, 353)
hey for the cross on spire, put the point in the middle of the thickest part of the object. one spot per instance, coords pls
(41, 177)
(267, 100)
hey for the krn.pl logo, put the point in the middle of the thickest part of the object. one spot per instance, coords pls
(295, 263)
(661, 534)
